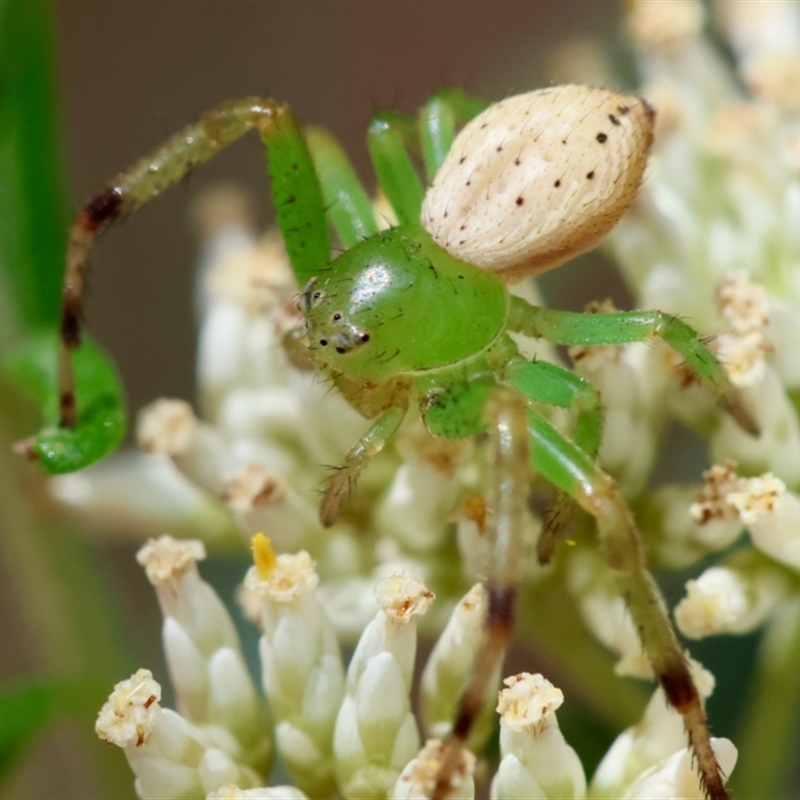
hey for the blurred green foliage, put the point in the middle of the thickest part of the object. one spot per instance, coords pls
(64, 607)
(32, 208)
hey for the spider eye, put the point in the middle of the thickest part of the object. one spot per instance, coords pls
(348, 340)
(323, 342)
(310, 297)
(309, 300)
(336, 317)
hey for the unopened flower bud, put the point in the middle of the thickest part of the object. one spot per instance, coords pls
(262, 500)
(676, 778)
(777, 448)
(376, 734)
(658, 735)
(449, 668)
(604, 612)
(170, 428)
(202, 649)
(301, 665)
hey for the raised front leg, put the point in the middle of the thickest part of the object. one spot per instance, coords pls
(295, 190)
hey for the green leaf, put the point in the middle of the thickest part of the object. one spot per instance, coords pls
(101, 405)
(25, 707)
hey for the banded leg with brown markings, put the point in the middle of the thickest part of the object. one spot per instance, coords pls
(295, 190)
(572, 471)
(506, 416)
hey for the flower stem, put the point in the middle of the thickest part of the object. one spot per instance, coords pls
(769, 732)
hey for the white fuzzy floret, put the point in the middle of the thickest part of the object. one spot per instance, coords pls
(129, 715)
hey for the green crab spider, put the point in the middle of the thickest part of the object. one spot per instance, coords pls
(421, 313)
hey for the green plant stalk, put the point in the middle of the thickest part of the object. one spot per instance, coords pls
(32, 207)
(769, 733)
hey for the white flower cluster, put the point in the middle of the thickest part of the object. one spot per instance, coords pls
(713, 238)
(353, 735)
(741, 592)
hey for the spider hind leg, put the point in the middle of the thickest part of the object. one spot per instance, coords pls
(621, 547)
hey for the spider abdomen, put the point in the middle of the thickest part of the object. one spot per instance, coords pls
(539, 178)
(398, 304)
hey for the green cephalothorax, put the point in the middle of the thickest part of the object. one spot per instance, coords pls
(418, 314)
(398, 304)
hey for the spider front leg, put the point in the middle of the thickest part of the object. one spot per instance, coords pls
(348, 205)
(342, 483)
(572, 471)
(623, 327)
(391, 136)
(295, 190)
(438, 120)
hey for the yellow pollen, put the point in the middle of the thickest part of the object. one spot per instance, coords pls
(263, 555)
